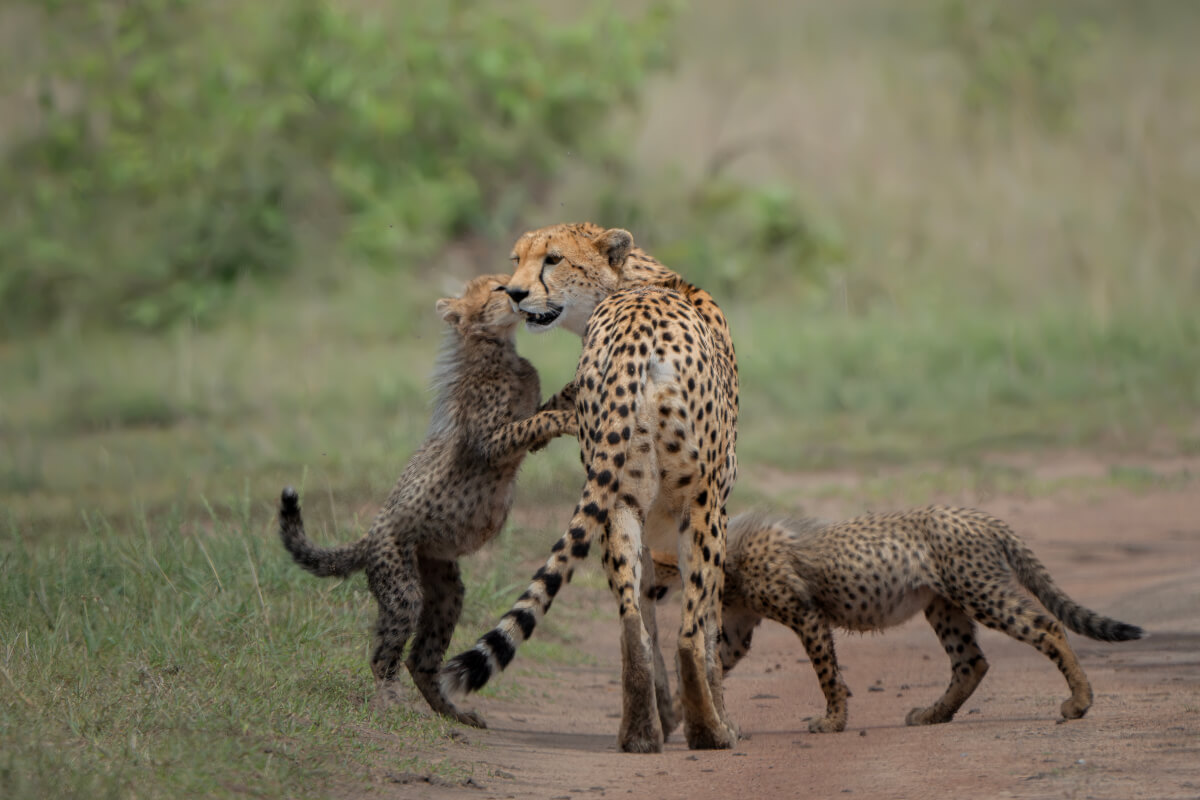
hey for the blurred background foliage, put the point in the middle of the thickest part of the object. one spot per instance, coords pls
(174, 148)
(941, 229)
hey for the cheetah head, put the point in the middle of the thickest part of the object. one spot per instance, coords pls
(483, 309)
(563, 272)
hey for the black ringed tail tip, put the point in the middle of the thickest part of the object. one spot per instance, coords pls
(289, 500)
(1124, 632)
(467, 672)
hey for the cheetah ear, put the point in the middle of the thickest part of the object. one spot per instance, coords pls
(615, 244)
(449, 309)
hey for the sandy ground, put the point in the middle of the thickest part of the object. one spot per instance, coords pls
(1135, 557)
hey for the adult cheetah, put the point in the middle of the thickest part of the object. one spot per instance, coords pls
(870, 573)
(657, 400)
(452, 497)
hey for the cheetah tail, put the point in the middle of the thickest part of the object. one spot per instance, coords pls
(1034, 577)
(471, 669)
(320, 561)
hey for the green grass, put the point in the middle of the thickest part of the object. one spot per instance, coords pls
(165, 664)
(193, 659)
(972, 482)
(886, 388)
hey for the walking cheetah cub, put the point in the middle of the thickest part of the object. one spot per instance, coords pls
(452, 497)
(874, 572)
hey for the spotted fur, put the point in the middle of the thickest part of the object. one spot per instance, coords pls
(958, 565)
(656, 396)
(452, 497)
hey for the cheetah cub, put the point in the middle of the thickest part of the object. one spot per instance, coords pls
(874, 572)
(452, 497)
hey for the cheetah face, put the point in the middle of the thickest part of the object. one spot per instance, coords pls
(483, 309)
(563, 272)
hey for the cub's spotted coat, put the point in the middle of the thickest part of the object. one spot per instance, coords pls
(870, 573)
(453, 496)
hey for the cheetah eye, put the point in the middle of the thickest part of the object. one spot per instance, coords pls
(552, 260)
(516, 259)
(499, 288)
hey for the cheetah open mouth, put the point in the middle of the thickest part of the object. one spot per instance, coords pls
(544, 320)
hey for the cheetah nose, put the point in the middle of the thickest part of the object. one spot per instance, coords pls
(517, 295)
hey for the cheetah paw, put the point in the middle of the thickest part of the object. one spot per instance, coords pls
(927, 716)
(827, 725)
(723, 737)
(468, 718)
(1073, 710)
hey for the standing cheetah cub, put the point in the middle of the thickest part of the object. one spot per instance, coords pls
(453, 496)
(874, 572)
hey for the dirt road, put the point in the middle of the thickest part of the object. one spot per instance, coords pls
(1135, 557)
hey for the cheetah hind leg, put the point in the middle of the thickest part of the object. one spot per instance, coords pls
(817, 637)
(443, 590)
(705, 724)
(662, 689)
(395, 583)
(956, 632)
(1016, 616)
(641, 729)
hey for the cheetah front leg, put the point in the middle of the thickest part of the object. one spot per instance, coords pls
(956, 632)
(817, 637)
(562, 400)
(531, 433)
(443, 590)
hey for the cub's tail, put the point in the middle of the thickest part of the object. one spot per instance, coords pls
(1034, 577)
(320, 561)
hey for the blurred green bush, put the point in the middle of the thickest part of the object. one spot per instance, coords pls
(732, 236)
(180, 147)
(1015, 62)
